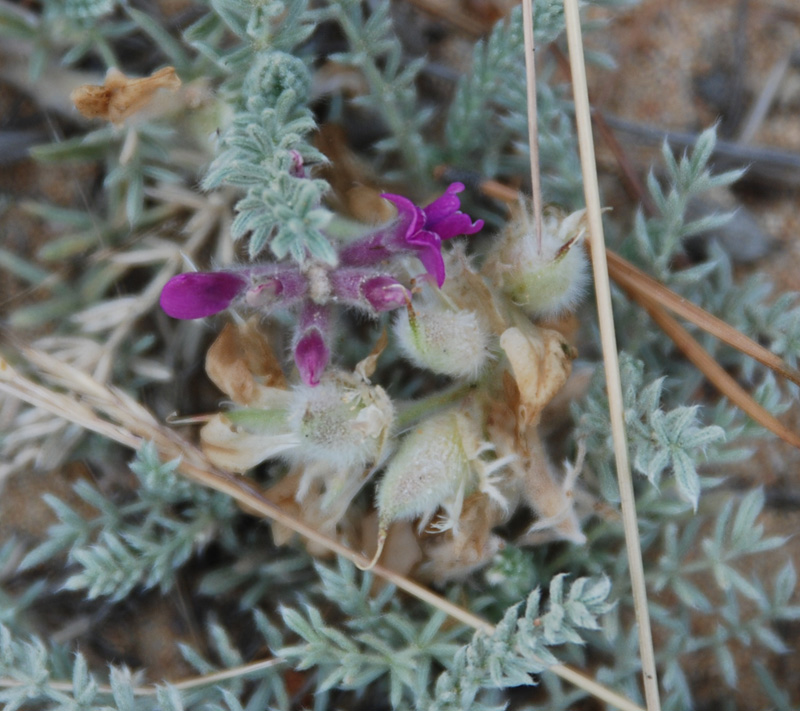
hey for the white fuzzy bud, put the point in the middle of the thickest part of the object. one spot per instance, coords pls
(544, 284)
(446, 341)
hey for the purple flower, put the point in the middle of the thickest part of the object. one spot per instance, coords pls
(201, 294)
(418, 230)
(311, 352)
(314, 287)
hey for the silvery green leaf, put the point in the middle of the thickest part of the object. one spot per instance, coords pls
(686, 476)
(169, 698)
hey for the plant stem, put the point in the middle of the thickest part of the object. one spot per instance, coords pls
(416, 409)
(610, 356)
(533, 119)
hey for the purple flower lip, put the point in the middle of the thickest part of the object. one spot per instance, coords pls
(443, 215)
(200, 294)
(311, 356)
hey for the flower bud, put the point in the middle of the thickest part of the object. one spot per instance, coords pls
(368, 290)
(311, 353)
(447, 341)
(543, 283)
(311, 356)
(342, 421)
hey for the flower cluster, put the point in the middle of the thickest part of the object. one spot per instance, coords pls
(468, 463)
(365, 277)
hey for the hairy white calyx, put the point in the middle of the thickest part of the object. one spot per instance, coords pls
(543, 283)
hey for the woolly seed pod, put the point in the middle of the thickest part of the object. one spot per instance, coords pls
(544, 284)
(446, 341)
(430, 469)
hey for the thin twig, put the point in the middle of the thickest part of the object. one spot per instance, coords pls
(609, 346)
(633, 278)
(715, 373)
(533, 119)
(135, 425)
(777, 167)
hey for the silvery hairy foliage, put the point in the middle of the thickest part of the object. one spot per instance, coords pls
(194, 189)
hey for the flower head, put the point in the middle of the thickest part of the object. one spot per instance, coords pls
(312, 288)
(419, 230)
(427, 227)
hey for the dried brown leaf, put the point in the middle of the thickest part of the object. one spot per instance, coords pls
(120, 96)
(241, 363)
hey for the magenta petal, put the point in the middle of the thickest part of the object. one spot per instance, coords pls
(456, 224)
(443, 205)
(200, 294)
(428, 248)
(311, 356)
(411, 217)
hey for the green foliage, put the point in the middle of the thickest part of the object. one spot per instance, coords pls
(377, 639)
(279, 209)
(376, 51)
(139, 543)
(270, 128)
(488, 113)
(356, 641)
(659, 441)
(519, 645)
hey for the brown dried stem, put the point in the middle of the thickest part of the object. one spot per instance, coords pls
(635, 281)
(715, 373)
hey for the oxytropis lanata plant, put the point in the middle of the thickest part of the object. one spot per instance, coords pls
(458, 464)
(399, 365)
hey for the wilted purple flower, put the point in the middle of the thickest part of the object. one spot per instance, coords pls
(418, 230)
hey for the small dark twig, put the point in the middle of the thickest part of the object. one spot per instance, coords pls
(778, 168)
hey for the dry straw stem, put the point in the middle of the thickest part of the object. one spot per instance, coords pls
(653, 297)
(609, 346)
(125, 421)
(637, 282)
(533, 119)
